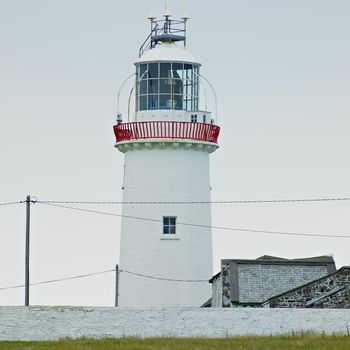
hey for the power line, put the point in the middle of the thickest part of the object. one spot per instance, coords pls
(11, 203)
(161, 278)
(99, 273)
(288, 200)
(200, 225)
(291, 200)
(58, 279)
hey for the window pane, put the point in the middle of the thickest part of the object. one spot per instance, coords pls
(143, 69)
(165, 230)
(172, 230)
(177, 86)
(188, 103)
(165, 86)
(153, 101)
(165, 70)
(188, 71)
(165, 220)
(143, 102)
(153, 86)
(143, 87)
(164, 102)
(153, 70)
(172, 221)
(177, 70)
(178, 104)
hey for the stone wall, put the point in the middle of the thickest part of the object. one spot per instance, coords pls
(226, 284)
(49, 323)
(331, 291)
(217, 291)
(257, 283)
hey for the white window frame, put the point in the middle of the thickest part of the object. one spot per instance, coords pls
(169, 235)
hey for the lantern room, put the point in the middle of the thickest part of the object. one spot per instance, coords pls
(167, 75)
(167, 85)
(170, 92)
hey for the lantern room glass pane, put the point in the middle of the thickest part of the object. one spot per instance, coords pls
(143, 102)
(177, 70)
(178, 103)
(188, 71)
(153, 70)
(165, 70)
(143, 87)
(153, 86)
(164, 102)
(177, 86)
(143, 69)
(153, 102)
(165, 86)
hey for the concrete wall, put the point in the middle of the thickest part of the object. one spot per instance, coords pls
(38, 323)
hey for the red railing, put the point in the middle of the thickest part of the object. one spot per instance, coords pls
(166, 130)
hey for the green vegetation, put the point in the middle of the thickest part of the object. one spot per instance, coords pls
(304, 341)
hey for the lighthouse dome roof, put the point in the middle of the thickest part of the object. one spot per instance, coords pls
(169, 52)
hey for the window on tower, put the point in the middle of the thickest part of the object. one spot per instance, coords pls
(169, 225)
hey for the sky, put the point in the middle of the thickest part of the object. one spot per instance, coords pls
(281, 74)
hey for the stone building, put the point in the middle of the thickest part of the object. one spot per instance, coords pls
(331, 292)
(251, 282)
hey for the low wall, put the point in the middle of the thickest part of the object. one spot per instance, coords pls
(45, 322)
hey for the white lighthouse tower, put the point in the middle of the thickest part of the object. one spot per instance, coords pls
(166, 142)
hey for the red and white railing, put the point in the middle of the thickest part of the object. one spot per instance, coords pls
(166, 130)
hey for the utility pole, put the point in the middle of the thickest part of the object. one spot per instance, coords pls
(26, 296)
(116, 285)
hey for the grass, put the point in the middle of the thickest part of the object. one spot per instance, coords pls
(302, 341)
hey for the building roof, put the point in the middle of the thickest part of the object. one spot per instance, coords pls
(167, 52)
(274, 260)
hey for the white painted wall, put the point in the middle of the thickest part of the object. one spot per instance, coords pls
(48, 323)
(166, 171)
(172, 115)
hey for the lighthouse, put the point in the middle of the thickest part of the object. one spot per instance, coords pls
(166, 236)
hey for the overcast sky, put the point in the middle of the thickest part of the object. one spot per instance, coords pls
(281, 73)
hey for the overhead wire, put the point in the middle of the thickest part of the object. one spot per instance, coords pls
(103, 272)
(11, 203)
(288, 200)
(253, 201)
(199, 225)
(58, 280)
(161, 278)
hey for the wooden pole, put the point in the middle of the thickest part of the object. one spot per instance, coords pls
(116, 285)
(26, 296)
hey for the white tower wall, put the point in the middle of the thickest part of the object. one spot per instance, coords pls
(165, 171)
(166, 143)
